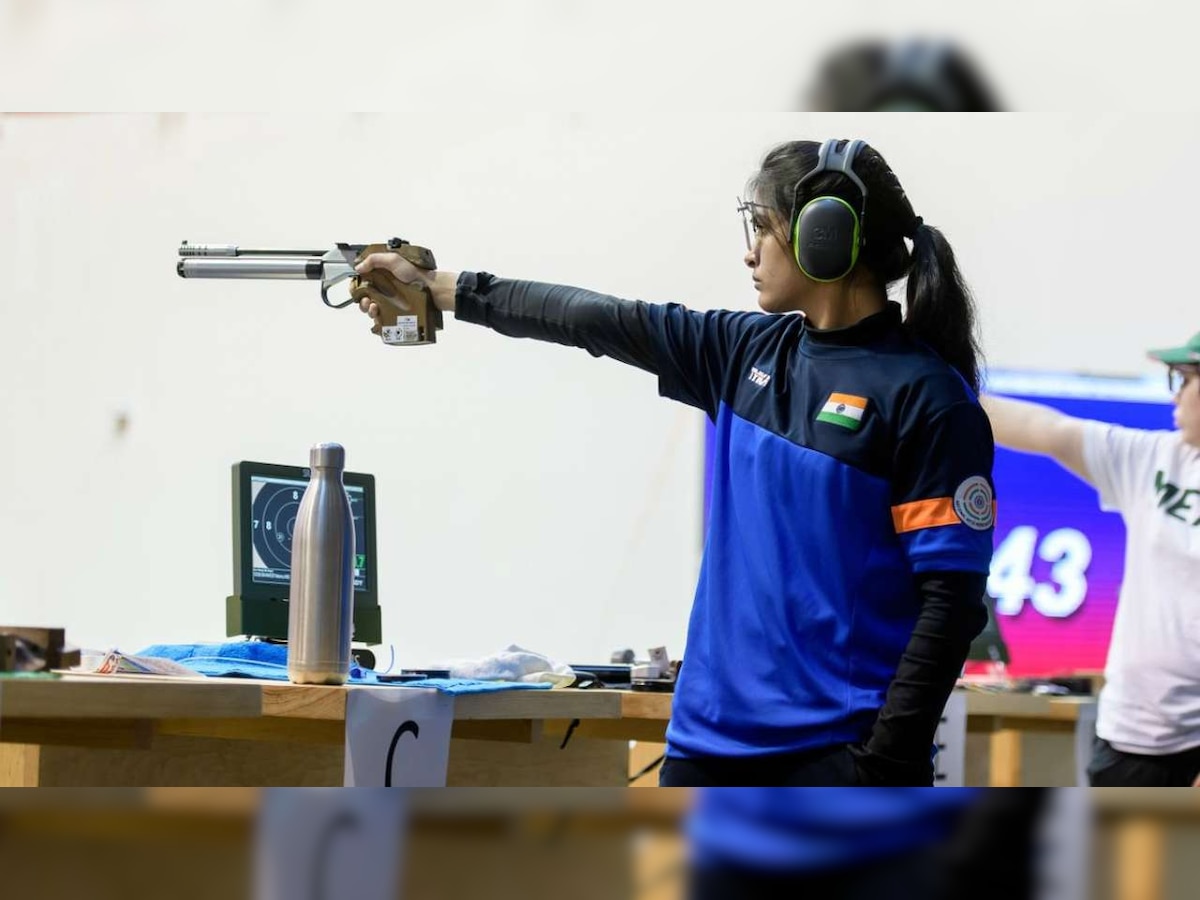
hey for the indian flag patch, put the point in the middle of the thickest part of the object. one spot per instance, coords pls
(845, 410)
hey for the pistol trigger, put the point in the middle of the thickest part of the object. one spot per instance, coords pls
(326, 284)
(325, 296)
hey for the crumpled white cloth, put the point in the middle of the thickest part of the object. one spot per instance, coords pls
(513, 664)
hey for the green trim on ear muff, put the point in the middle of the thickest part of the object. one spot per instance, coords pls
(827, 204)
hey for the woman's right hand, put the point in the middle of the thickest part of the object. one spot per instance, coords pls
(400, 269)
(441, 284)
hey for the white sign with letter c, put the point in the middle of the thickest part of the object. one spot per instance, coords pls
(397, 737)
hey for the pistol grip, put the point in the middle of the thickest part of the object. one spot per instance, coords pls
(407, 314)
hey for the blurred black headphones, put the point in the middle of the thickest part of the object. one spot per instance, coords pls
(930, 75)
(827, 232)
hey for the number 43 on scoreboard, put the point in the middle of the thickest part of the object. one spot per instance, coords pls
(1011, 579)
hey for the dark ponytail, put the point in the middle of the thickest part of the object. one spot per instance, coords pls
(941, 311)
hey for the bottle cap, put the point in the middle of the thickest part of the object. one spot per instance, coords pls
(327, 456)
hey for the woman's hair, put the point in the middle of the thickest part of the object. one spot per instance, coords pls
(939, 309)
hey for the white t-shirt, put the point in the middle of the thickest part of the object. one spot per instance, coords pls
(1150, 703)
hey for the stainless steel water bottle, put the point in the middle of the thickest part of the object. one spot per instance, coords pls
(321, 600)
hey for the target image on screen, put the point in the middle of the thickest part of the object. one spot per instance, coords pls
(274, 505)
(266, 500)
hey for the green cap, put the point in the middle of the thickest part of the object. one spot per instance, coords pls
(1177, 356)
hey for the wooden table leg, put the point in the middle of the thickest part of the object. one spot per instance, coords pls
(1005, 758)
(1139, 859)
(19, 765)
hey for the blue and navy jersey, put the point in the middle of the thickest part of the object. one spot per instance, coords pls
(847, 463)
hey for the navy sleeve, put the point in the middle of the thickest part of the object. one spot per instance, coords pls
(943, 504)
(953, 612)
(689, 351)
(943, 511)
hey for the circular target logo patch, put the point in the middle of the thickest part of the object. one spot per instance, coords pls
(974, 504)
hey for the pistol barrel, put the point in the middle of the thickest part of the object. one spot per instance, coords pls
(251, 267)
(226, 250)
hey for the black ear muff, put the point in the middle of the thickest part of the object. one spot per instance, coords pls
(826, 238)
(827, 231)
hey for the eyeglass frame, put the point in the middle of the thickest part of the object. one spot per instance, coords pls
(1179, 374)
(750, 206)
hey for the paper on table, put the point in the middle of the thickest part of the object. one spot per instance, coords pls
(319, 843)
(114, 662)
(397, 737)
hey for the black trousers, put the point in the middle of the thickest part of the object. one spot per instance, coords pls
(1114, 768)
(826, 767)
(908, 877)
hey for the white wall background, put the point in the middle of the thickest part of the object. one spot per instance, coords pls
(310, 56)
(527, 492)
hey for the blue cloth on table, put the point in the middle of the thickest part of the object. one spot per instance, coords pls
(260, 659)
(471, 686)
(244, 659)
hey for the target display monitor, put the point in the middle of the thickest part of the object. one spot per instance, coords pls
(266, 500)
